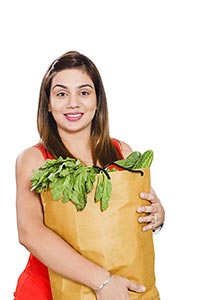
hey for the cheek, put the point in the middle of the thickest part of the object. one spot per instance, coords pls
(93, 109)
(93, 105)
(55, 106)
(90, 105)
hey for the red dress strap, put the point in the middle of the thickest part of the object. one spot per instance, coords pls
(46, 154)
(118, 146)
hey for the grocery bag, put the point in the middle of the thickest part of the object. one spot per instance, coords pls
(112, 238)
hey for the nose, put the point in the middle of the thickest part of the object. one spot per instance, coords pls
(72, 101)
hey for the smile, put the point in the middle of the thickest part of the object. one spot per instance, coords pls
(73, 116)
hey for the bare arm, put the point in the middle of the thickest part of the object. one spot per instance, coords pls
(42, 242)
(47, 246)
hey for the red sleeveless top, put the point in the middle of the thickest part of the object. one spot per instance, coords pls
(34, 283)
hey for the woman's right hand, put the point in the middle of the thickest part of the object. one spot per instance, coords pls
(117, 289)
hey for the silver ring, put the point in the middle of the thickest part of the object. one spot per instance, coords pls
(154, 219)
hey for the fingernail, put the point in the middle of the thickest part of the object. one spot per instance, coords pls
(143, 288)
(141, 219)
(140, 209)
(142, 195)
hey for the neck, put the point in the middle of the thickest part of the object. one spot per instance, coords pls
(79, 145)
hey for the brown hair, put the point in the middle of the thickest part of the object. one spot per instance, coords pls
(102, 146)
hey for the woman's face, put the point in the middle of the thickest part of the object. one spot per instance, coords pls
(73, 101)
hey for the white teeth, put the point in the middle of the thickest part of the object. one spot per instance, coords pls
(73, 115)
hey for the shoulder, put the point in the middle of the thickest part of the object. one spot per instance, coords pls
(28, 160)
(125, 148)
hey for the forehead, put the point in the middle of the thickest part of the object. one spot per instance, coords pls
(72, 77)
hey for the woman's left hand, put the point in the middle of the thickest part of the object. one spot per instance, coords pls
(155, 212)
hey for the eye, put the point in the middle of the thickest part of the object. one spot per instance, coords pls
(84, 93)
(61, 94)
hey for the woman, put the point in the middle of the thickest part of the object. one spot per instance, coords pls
(72, 121)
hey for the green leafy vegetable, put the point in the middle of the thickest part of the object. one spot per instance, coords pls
(70, 180)
(135, 160)
(103, 190)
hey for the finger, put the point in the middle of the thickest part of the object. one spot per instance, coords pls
(147, 209)
(150, 226)
(150, 197)
(136, 287)
(146, 196)
(152, 218)
(155, 209)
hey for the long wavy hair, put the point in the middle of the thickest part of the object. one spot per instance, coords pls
(102, 146)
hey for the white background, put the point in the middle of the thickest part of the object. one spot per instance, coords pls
(148, 54)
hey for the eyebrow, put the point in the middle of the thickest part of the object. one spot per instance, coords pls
(80, 86)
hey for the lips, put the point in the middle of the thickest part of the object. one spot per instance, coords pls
(73, 116)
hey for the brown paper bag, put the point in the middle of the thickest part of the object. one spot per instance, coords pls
(112, 239)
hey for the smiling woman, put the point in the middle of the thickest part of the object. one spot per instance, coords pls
(72, 122)
(73, 102)
(56, 85)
